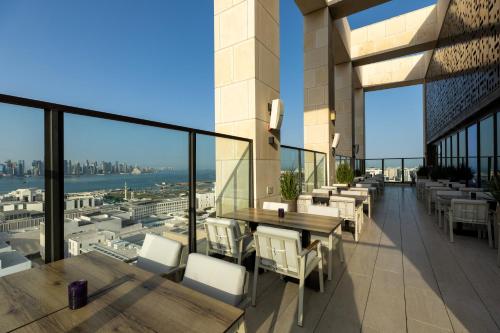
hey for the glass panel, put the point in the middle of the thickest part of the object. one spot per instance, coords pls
(223, 180)
(373, 167)
(462, 148)
(454, 150)
(22, 188)
(123, 181)
(309, 169)
(487, 153)
(472, 150)
(498, 141)
(320, 170)
(392, 170)
(448, 151)
(411, 167)
(439, 152)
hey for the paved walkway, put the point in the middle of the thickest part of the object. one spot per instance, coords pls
(402, 276)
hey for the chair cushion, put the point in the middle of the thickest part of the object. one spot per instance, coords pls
(292, 248)
(158, 254)
(274, 205)
(216, 278)
(323, 210)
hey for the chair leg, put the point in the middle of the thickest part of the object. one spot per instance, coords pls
(341, 244)
(490, 235)
(330, 256)
(300, 314)
(320, 272)
(255, 277)
(450, 227)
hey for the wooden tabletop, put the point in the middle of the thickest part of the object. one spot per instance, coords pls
(298, 221)
(121, 297)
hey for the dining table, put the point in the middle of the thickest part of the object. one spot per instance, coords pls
(328, 226)
(121, 297)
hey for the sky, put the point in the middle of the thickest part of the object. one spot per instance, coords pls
(155, 61)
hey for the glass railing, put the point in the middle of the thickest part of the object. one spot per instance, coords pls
(309, 165)
(395, 170)
(74, 181)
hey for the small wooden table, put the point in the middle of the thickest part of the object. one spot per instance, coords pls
(306, 223)
(121, 297)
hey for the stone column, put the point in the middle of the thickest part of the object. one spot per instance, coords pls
(359, 121)
(318, 86)
(343, 107)
(247, 78)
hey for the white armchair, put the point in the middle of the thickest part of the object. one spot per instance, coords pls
(364, 193)
(274, 205)
(280, 251)
(328, 243)
(303, 203)
(159, 255)
(442, 204)
(432, 198)
(224, 237)
(349, 211)
(216, 278)
(470, 212)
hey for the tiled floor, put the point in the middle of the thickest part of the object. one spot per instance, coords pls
(403, 275)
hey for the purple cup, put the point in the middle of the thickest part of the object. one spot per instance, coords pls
(281, 213)
(77, 294)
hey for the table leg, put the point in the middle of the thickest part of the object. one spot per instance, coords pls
(330, 256)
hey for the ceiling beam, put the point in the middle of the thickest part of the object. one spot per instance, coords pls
(344, 8)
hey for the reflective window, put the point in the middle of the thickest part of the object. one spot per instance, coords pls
(22, 188)
(472, 150)
(462, 148)
(454, 150)
(486, 149)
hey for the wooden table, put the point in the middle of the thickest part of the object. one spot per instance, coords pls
(306, 223)
(121, 297)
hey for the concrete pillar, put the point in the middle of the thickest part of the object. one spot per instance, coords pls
(359, 121)
(247, 78)
(343, 107)
(318, 87)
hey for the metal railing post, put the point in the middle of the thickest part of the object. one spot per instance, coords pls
(54, 185)
(402, 170)
(192, 192)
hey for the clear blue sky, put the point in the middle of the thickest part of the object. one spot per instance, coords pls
(154, 60)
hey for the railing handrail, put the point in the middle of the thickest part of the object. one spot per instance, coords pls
(37, 104)
(302, 149)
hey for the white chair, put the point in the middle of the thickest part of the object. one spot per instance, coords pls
(349, 211)
(470, 212)
(372, 188)
(159, 255)
(280, 251)
(224, 237)
(303, 203)
(368, 200)
(442, 204)
(275, 205)
(431, 196)
(216, 278)
(328, 243)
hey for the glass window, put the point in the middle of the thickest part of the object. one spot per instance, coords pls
(454, 150)
(123, 182)
(472, 150)
(22, 188)
(486, 147)
(462, 148)
(439, 152)
(498, 140)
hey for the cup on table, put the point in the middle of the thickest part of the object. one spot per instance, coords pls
(281, 213)
(77, 294)
(473, 195)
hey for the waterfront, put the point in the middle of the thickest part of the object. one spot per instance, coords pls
(89, 183)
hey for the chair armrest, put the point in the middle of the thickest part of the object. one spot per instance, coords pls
(314, 245)
(242, 237)
(130, 260)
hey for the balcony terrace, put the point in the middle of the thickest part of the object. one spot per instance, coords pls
(402, 276)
